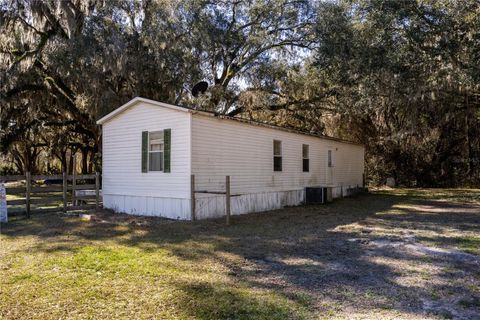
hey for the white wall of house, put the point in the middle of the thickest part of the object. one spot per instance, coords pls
(211, 148)
(125, 187)
(244, 151)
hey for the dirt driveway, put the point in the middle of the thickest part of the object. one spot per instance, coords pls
(391, 254)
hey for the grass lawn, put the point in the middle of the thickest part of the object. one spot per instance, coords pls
(403, 253)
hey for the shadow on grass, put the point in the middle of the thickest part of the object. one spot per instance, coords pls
(217, 301)
(302, 249)
(466, 196)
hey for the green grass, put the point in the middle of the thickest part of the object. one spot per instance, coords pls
(470, 302)
(79, 279)
(142, 283)
(469, 244)
(295, 263)
(440, 194)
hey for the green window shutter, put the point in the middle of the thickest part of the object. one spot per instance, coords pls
(167, 140)
(144, 151)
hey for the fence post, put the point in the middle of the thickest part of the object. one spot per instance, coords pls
(192, 196)
(27, 194)
(65, 186)
(227, 198)
(97, 190)
(74, 179)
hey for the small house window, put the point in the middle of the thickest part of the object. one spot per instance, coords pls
(277, 155)
(155, 151)
(306, 158)
(330, 160)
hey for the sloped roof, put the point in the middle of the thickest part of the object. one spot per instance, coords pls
(137, 100)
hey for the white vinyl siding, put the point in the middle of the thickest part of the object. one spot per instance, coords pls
(211, 148)
(244, 151)
(122, 153)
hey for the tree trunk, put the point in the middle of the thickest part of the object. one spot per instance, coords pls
(63, 160)
(70, 163)
(90, 162)
(84, 152)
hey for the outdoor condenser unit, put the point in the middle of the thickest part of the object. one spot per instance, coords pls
(318, 194)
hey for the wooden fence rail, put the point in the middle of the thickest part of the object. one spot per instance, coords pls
(9, 178)
(52, 194)
(227, 194)
(47, 189)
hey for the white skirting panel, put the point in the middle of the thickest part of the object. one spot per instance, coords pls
(172, 208)
(344, 191)
(214, 206)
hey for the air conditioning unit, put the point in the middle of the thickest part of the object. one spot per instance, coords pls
(316, 195)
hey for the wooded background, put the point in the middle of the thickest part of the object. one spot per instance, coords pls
(400, 76)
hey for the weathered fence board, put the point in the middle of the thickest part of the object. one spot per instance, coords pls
(48, 177)
(8, 178)
(85, 196)
(46, 189)
(97, 190)
(12, 178)
(64, 191)
(74, 180)
(15, 213)
(27, 196)
(82, 177)
(15, 190)
(46, 200)
(84, 187)
(17, 202)
(82, 207)
(52, 194)
(227, 202)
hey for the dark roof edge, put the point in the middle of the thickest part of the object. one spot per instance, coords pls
(272, 126)
(136, 100)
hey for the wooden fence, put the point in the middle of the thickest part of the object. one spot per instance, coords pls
(227, 194)
(48, 193)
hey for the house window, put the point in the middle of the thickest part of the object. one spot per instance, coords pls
(155, 151)
(330, 160)
(277, 155)
(306, 158)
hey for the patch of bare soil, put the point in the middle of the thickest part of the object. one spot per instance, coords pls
(436, 260)
(108, 217)
(393, 259)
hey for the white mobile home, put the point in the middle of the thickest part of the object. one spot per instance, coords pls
(151, 149)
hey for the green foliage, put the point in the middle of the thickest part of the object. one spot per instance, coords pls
(406, 81)
(400, 76)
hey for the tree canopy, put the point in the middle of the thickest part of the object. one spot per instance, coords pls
(399, 76)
